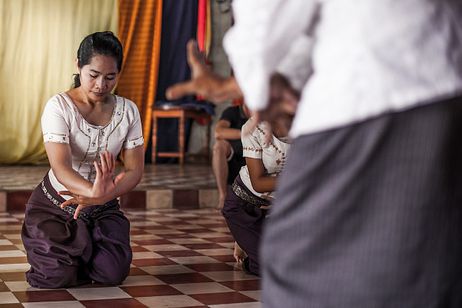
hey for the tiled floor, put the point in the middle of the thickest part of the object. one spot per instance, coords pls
(162, 186)
(155, 177)
(182, 258)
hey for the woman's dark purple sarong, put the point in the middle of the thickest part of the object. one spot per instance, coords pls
(64, 252)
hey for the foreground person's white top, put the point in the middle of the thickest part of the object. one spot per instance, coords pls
(368, 57)
(63, 123)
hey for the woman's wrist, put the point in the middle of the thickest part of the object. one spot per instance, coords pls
(103, 200)
(110, 195)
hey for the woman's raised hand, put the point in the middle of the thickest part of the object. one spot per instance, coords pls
(104, 180)
(103, 185)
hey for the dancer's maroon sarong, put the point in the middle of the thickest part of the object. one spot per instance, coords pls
(64, 252)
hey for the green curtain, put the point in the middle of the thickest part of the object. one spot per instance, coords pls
(38, 46)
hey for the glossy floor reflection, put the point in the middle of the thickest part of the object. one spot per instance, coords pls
(181, 258)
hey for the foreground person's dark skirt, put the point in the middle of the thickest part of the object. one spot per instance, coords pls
(64, 252)
(370, 215)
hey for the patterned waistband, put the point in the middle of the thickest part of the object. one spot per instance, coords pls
(241, 192)
(87, 217)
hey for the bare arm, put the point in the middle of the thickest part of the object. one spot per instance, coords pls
(261, 181)
(223, 131)
(133, 171)
(60, 157)
(123, 183)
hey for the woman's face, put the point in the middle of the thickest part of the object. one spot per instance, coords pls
(99, 77)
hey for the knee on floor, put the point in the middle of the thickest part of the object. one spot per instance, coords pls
(112, 272)
(61, 277)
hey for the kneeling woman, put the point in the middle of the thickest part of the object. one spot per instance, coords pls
(85, 238)
(249, 197)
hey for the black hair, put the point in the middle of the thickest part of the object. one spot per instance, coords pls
(98, 43)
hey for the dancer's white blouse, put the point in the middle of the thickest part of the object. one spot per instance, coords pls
(63, 123)
(272, 154)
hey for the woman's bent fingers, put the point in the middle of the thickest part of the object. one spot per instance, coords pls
(80, 201)
(69, 202)
(72, 202)
(77, 211)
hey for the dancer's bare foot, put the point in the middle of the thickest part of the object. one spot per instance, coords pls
(239, 254)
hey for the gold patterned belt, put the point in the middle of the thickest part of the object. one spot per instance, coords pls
(247, 196)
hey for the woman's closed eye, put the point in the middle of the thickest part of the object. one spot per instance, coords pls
(109, 78)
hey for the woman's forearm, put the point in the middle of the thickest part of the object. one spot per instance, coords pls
(73, 181)
(124, 185)
(228, 133)
(263, 184)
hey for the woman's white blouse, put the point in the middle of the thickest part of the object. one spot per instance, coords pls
(63, 123)
(273, 154)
